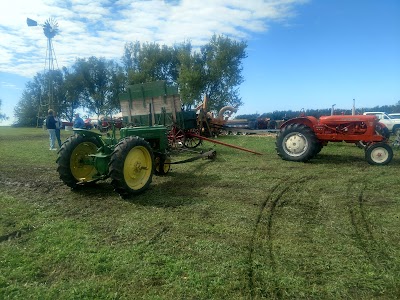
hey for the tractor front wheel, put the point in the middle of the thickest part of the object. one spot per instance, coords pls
(131, 166)
(379, 154)
(74, 163)
(162, 164)
(297, 142)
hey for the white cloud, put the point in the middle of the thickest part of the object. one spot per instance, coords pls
(9, 85)
(101, 28)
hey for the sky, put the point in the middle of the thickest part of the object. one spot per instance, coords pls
(301, 54)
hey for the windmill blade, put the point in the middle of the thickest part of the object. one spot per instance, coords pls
(31, 22)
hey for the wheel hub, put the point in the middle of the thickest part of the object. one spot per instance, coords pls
(135, 169)
(379, 154)
(81, 165)
(296, 144)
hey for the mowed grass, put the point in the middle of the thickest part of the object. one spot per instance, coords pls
(243, 226)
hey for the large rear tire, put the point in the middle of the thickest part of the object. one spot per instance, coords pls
(297, 142)
(74, 163)
(379, 154)
(131, 166)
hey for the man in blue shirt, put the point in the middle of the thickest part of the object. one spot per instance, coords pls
(78, 123)
(51, 128)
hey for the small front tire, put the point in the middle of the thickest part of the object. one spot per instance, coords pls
(162, 165)
(379, 154)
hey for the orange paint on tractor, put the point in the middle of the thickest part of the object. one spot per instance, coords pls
(301, 139)
(345, 128)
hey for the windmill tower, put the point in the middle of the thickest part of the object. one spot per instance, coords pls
(50, 30)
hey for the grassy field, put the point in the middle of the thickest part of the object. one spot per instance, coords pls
(240, 227)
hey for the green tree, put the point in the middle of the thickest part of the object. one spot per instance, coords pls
(95, 83)
(2, 116)
(27, 109)
(130, 58)
(72, 89)
(214, 70)
(222, 58)
(32, 107)
(191, 75)
(102, 80)
(116, 85)
(44, 91)
(150, 62)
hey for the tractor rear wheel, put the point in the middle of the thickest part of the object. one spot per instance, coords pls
(318, 148)
(74, 163)
(131, 166)
(379, 154)
(297, 142)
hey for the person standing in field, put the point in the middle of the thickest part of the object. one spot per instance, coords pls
(58, 129)
(51, 128)
(78, 123)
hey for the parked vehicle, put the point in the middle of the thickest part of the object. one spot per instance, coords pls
(301, 139)
(106, 124)
(88, 125)
(395, 116)
(142, 149)
(66, 123)
(393, 124)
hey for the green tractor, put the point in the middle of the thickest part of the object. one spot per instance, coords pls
(130, 162)
(149, 111)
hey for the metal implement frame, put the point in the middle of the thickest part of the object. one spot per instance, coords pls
(190, 134)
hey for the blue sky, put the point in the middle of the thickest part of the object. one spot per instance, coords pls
(301, 54)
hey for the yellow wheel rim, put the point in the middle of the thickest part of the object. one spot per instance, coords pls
(166, 166)
(80, 167)
(137, 167)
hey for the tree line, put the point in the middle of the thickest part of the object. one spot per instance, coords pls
(93, 84)
(289, 114)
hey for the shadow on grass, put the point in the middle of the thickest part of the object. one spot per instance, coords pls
(177, 188)
(93, 189)
(338, 159)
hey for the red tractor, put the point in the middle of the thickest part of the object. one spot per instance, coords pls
(302, 138)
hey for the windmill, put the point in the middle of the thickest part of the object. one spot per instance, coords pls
(50, 30)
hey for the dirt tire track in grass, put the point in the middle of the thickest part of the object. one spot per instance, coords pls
(16, 234)
(273, 199)
(364, 235)
(157, 236)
